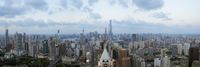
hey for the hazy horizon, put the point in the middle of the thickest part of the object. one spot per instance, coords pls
(128, 16)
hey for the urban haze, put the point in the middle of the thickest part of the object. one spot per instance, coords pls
(99, 33)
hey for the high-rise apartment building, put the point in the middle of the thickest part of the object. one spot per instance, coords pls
(193, 55)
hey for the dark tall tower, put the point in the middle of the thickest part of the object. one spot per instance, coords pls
(19, 43)
(25, 43)
(7, 37)
(193, 55)
(105, 34)
(58, 34)
(45, 47)
(110, 30)
(133, 37)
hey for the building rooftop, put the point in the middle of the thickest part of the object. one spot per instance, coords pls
(105, 55)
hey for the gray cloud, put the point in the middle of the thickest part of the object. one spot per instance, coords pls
(95, 16)
(8, 11)
(149, 4)
(112, 2)
(87, 9)
(123, 3)
(35, 23)
(132, 26)
(77, 4)
(161, 15)
(91, 2)
(27, 23)
(11, 8)
(37, 4)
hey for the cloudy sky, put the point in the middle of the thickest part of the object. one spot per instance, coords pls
(128, 16)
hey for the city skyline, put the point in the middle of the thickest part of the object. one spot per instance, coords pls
(99, 33)
(128, 16)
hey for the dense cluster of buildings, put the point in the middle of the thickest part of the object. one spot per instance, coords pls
(106, 49)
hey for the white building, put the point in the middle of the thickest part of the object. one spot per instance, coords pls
(88, 57)
(141, 44)
(135, 45)
(130, 46)
(157, 62)
(52, 49)
(163, 52)
(143, 63)
(186, 47)
(165, 61)
(31, 51)
(180, 49)
(105, 60)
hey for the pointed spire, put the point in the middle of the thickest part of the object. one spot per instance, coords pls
(105, 55)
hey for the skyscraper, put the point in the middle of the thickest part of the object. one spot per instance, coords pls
(186, 47)
(110, 37)
(52, 48)
(110, 30)
(7, 37)
(124, 60)
(82, 43)
(19, 47)
(58, 34)
(45, 46)
(26, 45)
(133, 37)
(105, 34)
(165, 61)
(193, 55)
(157, 62)
(24, 42)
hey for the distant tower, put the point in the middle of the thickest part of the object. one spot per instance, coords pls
(105, 34)
(83, 31)
(58, 34)
(110, 38)
(58, 31)
(193, 55)
(110, 30)
(52, 48)
(45, 46)
(7, 37)
(134, 37)
(82, 38)
(19, 43)
(83, 43)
